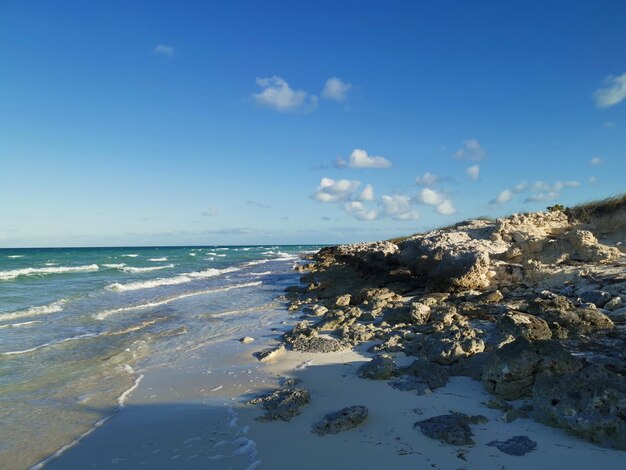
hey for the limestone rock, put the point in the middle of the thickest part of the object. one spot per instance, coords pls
(452, 428)
(463, 271)
(282, 404)
(590, 403)
(269, 354)
(517, 445)
(379, 368)
(510, 372)
(420, 313)
(597, 297)
(342, 420)
(524, 325)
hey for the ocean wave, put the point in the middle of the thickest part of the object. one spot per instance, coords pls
(107, 313)
(192, 254)
(14, 273)
(15, 256)
(134, 270)
(113, 265)
(264, 273)
(122, 398)
(170, 281)
(53, 307)
(51, 264)
(163, 258)
(132, 255)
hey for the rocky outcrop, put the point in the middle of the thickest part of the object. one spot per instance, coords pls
(342, 420)
(523, 303)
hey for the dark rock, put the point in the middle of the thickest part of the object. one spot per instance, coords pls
(524, 325)
(342, 420)
(379, 368)
(408, 383)
(448, 345)
(433, 375)
(514, 413)
(510, 372)
(452, 428)
(597, 297)
(397, 315)
(518, 445)
(282, 404)
(268, 354)
(590, 403)
(498, 404)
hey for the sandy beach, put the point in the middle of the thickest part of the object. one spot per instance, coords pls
(193, 414)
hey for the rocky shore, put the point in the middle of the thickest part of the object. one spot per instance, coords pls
(532, 305)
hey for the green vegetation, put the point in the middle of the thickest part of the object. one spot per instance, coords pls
(585, 212)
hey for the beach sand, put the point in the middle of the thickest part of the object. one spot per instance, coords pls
(192, 414)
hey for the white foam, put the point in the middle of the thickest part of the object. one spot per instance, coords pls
(264, 273)
(127, 393)
(134, 270)
(107, 313)
(169, 281)
(164, 258)
(114, 265)
(130, 256)
(192, 254)
(16, 325)
(53, 307)
(51, 264)
(15, 256)
(12, 274)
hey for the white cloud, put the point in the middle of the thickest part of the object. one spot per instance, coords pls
(504, 196)
(471, 150)
(473, 172)
(446, 208)
(211, 211)
(613, 93)
(336, 89)
(162, 49)
(278, 95)
(367, 194)
(427, 180)
(360, 159)
(442, 204)
(520, 187)
(359, 210)
(593, 180)
(430, 197)
(398, 207)
(330, 190)
(595, 161)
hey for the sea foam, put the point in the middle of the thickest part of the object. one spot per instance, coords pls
(14, 273)
(169, 281)
(53, 307)
(134, 270)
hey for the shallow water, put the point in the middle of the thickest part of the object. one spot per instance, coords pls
(77, 326)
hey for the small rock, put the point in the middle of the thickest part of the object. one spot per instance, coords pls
(451, 429)
(498, 404)
(342, 420)
(282, 404)
(246, 339)
(518, 445)
(420, 313)
(269, 354)
(613, 304)
(514, 413)
(343, 300)
(379, 368)
(619, 315)
(597, 297)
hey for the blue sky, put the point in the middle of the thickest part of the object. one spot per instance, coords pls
(146, 123)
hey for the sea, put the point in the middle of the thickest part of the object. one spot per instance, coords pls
(78, 326)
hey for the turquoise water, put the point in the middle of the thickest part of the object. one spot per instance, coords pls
(76, 325)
